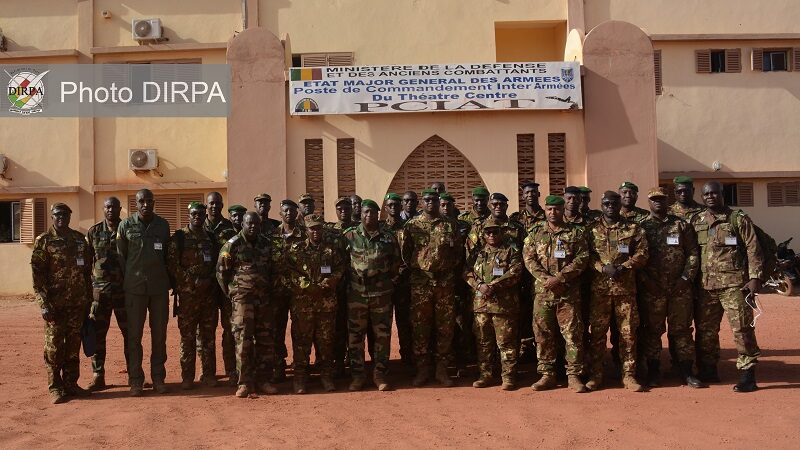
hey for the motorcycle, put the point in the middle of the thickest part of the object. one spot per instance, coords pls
(786, 279)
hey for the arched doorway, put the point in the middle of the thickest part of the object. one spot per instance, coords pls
(437, 160)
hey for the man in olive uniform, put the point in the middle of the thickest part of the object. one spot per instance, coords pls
(531, 213)
(731, 269)
(355, 202)
(108, 295)
(573, 203)
(586, 198)
(236, 213)
(401, 297)
(480, 206)
(429, 246)
(142, 242)
(557, 253)
(222, 229)
(307, 206)
(666, 290)
(61, 265)
(410, 203)
(685, 206)
(344, 220)
(493, 273)
(263, 203)
(373, 272)
(192, 257)
(629, 194)
(244, 267)
(618, 248)
(314, 268)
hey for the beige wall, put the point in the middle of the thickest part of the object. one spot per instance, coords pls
(39, 24)
(522, 41)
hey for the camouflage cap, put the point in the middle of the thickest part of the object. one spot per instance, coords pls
(499, 196)
(263, 196)
(629, 185)
(584, 189)
(682, 179)
(236, 208)
(657, 192)
(393, 196)
(447, 196)
(59, 205)
(491, 222)
(341, 200)
(196, 205)
(553, 200)
(480, 192)
(572, 190)
(305, 198)
(314, 220)
(367, 203)
(429, 191)
(289, 202)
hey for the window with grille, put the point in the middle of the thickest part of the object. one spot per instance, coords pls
(526, 160)
(171, 207)
(10, 221)
(783, 194)
(314, 174)
(738, 194)
(346, 166)
(557, 162)
(776, 59)
(33, 219)
(135, 73)
(658, 72)
(718, 60)
(322, 59)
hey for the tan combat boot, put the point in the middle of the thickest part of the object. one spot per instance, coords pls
(631, 384)
(548, 381)
(58, 396)
(485, 378)
(508, 384)
(576, 384)
(442, 376)
(595, 382)
(267, 389)
(243, 391)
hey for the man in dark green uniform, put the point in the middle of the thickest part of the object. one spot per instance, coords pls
(263, 203)
(401, 297)
(236, 213)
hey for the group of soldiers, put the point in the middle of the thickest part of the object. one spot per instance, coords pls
(545, 283)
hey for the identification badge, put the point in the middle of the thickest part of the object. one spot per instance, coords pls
(497, 272)
(673, 239)
(560, 254)
(730, 240)
(624, 248)
(325, 270)
(79, 261)
(206, 257)
(157, 246)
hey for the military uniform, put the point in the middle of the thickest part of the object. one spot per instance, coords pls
(192, 264)
(244, 270)
(496, 315)
(579, 220)
(621, 244)
(223, 231)
(61, 266)
(686, 212)
(730, 257)
(341, 340)
(636, 215)
(401, 299)
(282, 294)
(108, 293)
(528, 219)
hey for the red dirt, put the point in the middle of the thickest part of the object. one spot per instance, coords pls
(672, 416)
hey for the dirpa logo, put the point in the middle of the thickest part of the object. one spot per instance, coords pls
(26, 91)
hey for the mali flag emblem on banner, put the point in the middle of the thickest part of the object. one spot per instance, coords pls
(306, 74)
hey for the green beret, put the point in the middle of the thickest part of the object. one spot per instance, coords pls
(584, 189)
(447, 196)
(196, 205)
(236, 208)
(629, 185)
(367, 203)
(480, 192)
(393, 196)
(553, 200)
(429, 191)
(60, 205)
(683, 179)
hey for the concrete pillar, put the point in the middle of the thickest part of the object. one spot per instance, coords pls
(257, 121)
(85, 210)
(619, 107)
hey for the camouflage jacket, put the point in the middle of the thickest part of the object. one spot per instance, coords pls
(62, 270)
(268, 226)
(393, 225)
(562, 253)
(192, 261)
(281, 243)
(672, 245)
(514, 231)
(245, 267)
(686, 213)
(591, 214)
(579, 220)
(528, 219)
(500, 268)
(430, 249)
(374, 261)
(622, 244)
(471, 216)
(106, 266)
(222, 230)
(730, 254)
(314, 270)
(635, 215)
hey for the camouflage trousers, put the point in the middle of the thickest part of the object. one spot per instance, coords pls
(280, 310)
(62, 345)
(501, 330)
(252, 326)
(363, 312)
(671, 313)
(197, 323)
(708, 316)
(225, 307)
(310, 327)
(110, 302)
(464, 344)
(432, 317)
(527, 335)
(340, 338)
(624, 311)
(401, 299)
(553, 320)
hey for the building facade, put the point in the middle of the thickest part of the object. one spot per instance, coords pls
(707, 88)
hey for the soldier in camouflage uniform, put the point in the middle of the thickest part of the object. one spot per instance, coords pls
(307, 206)
(531, 213)
(685, 207)
(61, 265)
(192, 257)
(557, 253)
(344, 210)
(243, 271)
(493, 273)
(263, 203)
(314, 268)
(731, 266)
(429, 245)
(108, 295)
(586, 197)
(629, 193)
(373, 272)
(480, 206)
(573, 202)
(222, 229)
(236, 213)
(618, 249)
(355, 203)
(665, 290)
(401, 297)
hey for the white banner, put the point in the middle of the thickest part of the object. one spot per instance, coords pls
(435, 87)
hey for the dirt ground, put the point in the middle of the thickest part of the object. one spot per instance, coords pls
(672, 416)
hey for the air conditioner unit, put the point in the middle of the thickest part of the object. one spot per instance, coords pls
(142, 159)
(146, 29)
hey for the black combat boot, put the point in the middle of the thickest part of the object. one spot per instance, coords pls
(653, 373)
(685, 368)
(747, 381)
(708, 373)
